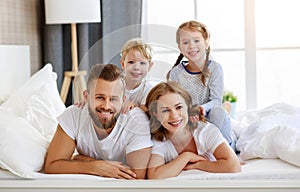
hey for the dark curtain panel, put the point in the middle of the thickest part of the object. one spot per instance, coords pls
(97, 42)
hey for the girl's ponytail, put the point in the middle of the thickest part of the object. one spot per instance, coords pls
(206, 72)
(180, 57)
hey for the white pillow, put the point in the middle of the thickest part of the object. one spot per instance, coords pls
(28, 122)
(38, 101)
(22, 148)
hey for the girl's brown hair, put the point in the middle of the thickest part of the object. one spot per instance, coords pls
(158, 132)
(195, 26)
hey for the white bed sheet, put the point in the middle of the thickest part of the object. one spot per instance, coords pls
(258, 175)
(253, 169)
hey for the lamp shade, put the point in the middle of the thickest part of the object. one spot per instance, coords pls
(72, 11)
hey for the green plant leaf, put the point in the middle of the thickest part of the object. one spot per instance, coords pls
(229, 96)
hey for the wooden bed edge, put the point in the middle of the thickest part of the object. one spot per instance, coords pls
(150, 185)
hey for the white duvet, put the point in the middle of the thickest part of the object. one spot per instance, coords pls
(272, 132)
(28, 122)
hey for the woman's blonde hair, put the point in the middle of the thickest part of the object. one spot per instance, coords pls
(137, 44)
(158, 132)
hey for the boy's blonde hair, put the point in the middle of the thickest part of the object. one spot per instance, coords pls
(137, 44)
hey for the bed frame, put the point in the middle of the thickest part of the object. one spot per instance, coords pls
(269, 182)
(150, 185)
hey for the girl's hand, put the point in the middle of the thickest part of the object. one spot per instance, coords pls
(202, 110)
(196, 118)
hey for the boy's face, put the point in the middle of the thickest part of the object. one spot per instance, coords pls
(136, 66)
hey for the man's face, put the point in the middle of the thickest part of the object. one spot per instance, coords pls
(105, 101)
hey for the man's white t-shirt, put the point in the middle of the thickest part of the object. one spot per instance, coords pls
(131, 133)
(207, 138)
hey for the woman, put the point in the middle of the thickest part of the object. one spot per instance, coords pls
(181, 144)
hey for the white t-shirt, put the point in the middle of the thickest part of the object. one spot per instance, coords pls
(207, 138)
(131, 133)
(139, 94)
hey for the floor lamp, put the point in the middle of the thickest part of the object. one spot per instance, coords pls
(72, 12)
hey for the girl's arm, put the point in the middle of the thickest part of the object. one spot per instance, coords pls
(227, 161)
(216, 87)
(158, 169)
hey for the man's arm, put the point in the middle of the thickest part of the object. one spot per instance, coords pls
(59, 160)
(138, 160)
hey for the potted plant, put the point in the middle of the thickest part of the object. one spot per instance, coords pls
(229, 96)
(232, 99)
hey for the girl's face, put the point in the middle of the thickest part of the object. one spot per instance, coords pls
(192, 45)
(136, 66)
(172, 112)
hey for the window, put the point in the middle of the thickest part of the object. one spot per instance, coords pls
(256, 44)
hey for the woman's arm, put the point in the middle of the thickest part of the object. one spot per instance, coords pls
(227, 161)
(158, 169)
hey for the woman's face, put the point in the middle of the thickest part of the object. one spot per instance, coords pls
(172, 112)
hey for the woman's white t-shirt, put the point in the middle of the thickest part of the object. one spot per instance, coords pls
(207, 138)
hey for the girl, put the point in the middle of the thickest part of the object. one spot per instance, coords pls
(200, 76)
(178, 143)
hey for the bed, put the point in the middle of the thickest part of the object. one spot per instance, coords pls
(268, 140)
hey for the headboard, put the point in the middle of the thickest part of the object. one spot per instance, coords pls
(14, 68)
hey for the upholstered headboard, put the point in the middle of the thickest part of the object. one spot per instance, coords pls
(14, 68)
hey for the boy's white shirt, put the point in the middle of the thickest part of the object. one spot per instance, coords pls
(139, 94)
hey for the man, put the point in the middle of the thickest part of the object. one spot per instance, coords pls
(109, 144)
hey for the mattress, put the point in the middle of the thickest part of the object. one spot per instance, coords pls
(256, 175)
(254, 169)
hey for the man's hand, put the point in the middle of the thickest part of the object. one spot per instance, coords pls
(113, 169)
(79, 157)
